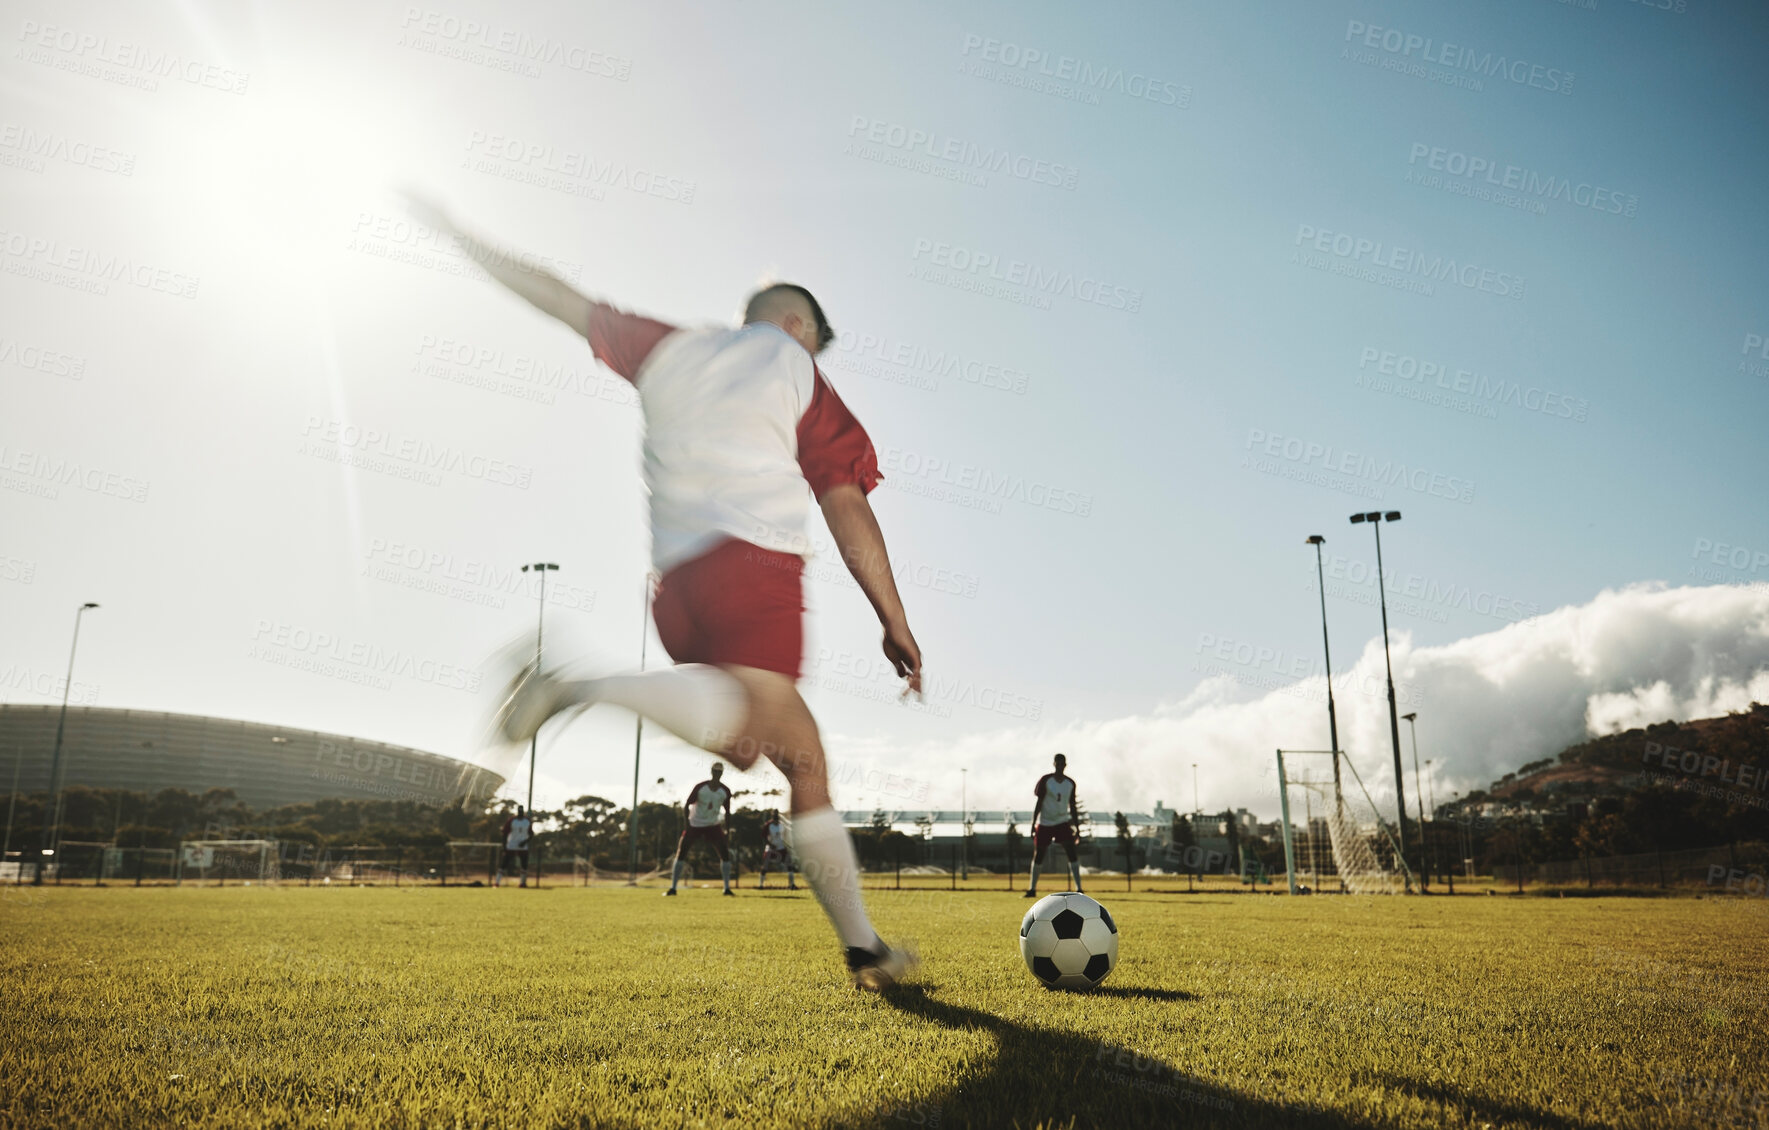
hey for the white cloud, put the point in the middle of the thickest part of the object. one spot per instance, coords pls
(1486, 705)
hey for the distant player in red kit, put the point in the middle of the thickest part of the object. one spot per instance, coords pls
(742, 433)
(517, 830)
(1056, 818)
(706, 825)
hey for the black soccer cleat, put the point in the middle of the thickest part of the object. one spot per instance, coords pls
(729, 893)
(669, 892)
(876, 971)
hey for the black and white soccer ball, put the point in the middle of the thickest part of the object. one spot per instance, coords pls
(1069, 941)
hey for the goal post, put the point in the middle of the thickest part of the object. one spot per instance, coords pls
(1284, 814)
(1349, 841)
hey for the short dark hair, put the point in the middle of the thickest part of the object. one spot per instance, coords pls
(825, 334)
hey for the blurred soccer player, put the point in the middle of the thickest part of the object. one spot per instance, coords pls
(706, 823)
(742, 431)
(1055, 818)
(776, 853)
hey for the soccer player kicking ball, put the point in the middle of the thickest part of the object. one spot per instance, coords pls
(1055, 818)
(517, 829)
(704, 823)
(775, 852)
(742, 431)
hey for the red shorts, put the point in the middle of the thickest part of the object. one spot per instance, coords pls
(713, 834)
(1062, 833)
(736, 603)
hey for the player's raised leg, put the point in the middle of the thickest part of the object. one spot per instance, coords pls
(745, 713)
(697, 702)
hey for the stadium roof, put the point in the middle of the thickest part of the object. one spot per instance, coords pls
(265, 765)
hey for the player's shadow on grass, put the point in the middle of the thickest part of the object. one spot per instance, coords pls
(1139, 993)
(1046, 1076)
(1484, 1110)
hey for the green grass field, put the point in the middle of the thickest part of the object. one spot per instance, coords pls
(249, 1007)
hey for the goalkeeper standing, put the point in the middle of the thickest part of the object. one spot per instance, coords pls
(1058, 818)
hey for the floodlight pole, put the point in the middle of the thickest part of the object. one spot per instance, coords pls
(1317, 541)
(534, 742)
(1376, 518)
(1419, 800)
(638, 744)
(52, 818)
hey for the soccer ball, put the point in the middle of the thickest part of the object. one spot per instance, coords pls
(1069, 941)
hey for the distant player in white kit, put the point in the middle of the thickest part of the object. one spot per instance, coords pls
(742, 432)
(775, 853)
(517, 830)
(706, 823)
(1056, 818)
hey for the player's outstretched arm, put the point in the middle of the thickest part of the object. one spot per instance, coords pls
(855, 529)
(531, 282)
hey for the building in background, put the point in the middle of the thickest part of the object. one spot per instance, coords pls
(266, 766)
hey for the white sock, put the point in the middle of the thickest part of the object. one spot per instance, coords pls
(676, 875)
(821, 844)
(725, 872)
(1034, 884)
(1075, 872)
(697, 702)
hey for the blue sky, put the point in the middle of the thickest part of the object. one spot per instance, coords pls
(684, 155)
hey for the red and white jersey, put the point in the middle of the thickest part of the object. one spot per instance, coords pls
(1054, 794)
(516, 830)
(706, 802)
(738, 422)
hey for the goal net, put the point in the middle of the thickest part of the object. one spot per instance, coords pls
(1334, 837)
(471, 862)
(255, 861)
(79, 859)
